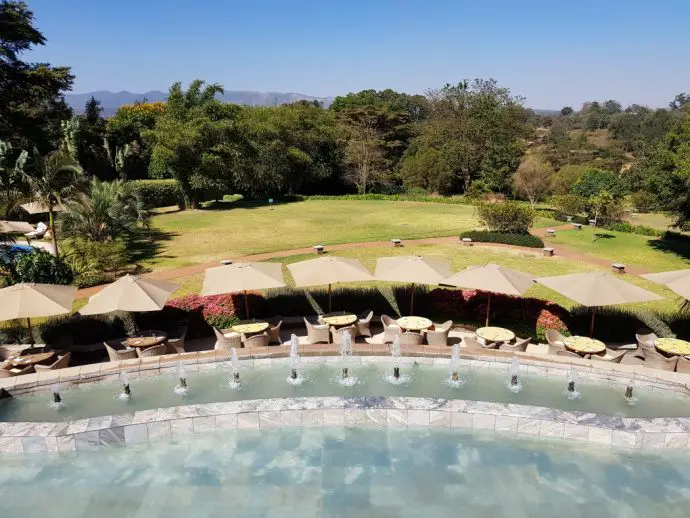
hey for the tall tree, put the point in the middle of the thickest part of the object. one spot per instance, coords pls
(12, 185)
(55, 179)
(533, 179)
(32, 103)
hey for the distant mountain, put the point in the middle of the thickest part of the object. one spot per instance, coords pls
(111, 101)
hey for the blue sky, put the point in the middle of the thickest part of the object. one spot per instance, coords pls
(554, 53)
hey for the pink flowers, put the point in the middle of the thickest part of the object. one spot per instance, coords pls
(217, 310)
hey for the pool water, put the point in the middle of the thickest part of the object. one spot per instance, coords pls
(346, 472)
(91, 400)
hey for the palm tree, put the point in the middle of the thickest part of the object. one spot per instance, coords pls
(106, 211)
(56, 178)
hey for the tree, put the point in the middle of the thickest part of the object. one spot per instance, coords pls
(55, 179)
(196, 141)
(680, 101)
(106, 211)
(32, 93)
(594, 181)
(510, 217)
(568, 204)
(567, 110)
(364, 148)
(606, 208)
(415, 106)
(563, 180)
(35, 266)
(91, 152)
(12, 186)
(533, 179)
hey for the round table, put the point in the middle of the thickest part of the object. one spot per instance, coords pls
(146, 339)
(495, 334)
(673, 346)
(414, 323)
(28, 359)
(250, 327)
(339, 319)
(584, 345)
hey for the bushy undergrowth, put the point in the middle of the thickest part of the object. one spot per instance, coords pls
(485, 236)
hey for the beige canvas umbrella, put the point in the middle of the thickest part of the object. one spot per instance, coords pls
(328, 270)
(492, 278)
(15, 227)
(130, 293)
(677, 281)
(242, 277)
(413, 269)
(31, 300)
(597, 289)
(37, 207)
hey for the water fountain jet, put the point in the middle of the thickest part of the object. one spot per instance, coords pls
(235, 365)
(126, 393)
(572, 391)
(181, 387)
(294, 378)
(514, 384)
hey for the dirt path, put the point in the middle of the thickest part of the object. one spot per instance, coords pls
(561, 251)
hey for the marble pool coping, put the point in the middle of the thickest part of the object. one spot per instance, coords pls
(509, 420)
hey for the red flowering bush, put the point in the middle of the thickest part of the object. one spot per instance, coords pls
(217, 310)
(549, 318)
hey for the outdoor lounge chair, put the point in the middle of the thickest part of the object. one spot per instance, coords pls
(156, 350)
(364, 322)
(391, 329)
(520, 345)
(645, 338)
(176, 339)
(274, 332)
(317, 332)
(683, 365)
(40, 231)
(117, 352)
(409, 338)
(655, 360)
(227, 340)
(338, 333)
(61, 363)
(260, 340)
(439, 335)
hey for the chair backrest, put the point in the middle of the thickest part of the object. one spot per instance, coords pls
(571, 354)
(62, 361)
(366, 316)
(340, 332)
(156, 350)
(410, 338)
(553, 336)
(519, 345)
(444, 327)
(114, 347)
(683, 365)
(472, 344)
(178, 333)
(4, 353)
(41, 227)
(260, 340)
(307, 323)
(387, 321)
(26, 370)
(662, 363)
(652, 354)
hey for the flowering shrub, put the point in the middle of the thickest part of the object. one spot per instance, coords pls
(217, 310)
(548, 319)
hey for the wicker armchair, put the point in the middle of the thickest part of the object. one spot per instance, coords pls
(439, 335)
(409, 338)
(4, 373)
(274, 333)
(61, 363)
(4, 353)
(226, 341)
(683, 365)
(555, 340)
(337, 334)
(317, 332)
(176, 339)
(156, 350)
(655, 360)
(645, 338)
(260, 340)
(611, 356)
(117, 352)
(391, 329)
(520, 345)
(571, 354)
(471, 345)
(364, 322)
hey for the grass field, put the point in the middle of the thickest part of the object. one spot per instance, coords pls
(192, 237)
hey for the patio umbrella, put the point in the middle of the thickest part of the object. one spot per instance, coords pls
(37, 207)
(30, 300)
(677, 281)
(130, 293)
(242, 277)
(328, 270)
(15, 227)
(413, 269)
(492, 278)
(597, 289)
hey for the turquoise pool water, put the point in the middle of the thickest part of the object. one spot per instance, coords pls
(90, 400)
(346, 472)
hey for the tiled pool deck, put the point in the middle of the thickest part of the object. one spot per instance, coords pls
(483, 417)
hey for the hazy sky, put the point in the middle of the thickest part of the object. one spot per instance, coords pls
(554, 53)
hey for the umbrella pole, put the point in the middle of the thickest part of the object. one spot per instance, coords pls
(488, 310)
(31, 331)
(591, 325)
(412, 300)
(246, 305)
(330, 292)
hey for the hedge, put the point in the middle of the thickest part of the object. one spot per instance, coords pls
(642, 230)
(456, 200)
(485, 236)
(582, 220)
(158, 193)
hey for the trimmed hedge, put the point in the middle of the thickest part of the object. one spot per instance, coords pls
(158, 193)
(616, 324)
(582, 220)
(642, 230)
(485, 236)
(457, 200)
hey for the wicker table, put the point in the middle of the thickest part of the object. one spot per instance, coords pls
(339, 319)
(672, 346)
(250, 327)
(414, 323)
(584, 345)
(28, 359)
(493, 334)
(146, 339)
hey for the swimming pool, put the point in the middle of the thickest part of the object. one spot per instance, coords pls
(346, 472)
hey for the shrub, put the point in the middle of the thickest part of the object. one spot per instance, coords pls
(509, 217)
(89, 279)
(158, 193)
(14, 332)
(460, 200)
(616, 324)
(485, 236)
(232, 197)
(216, 310)
(595, 181)
(621, 226)
(35, 266)
(86, 256)
(643, 202)
(582, 220)
(550, 318)
(84, 329)
(568, 204)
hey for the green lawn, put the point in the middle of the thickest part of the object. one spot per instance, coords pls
(199, 236)
(650, 253)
